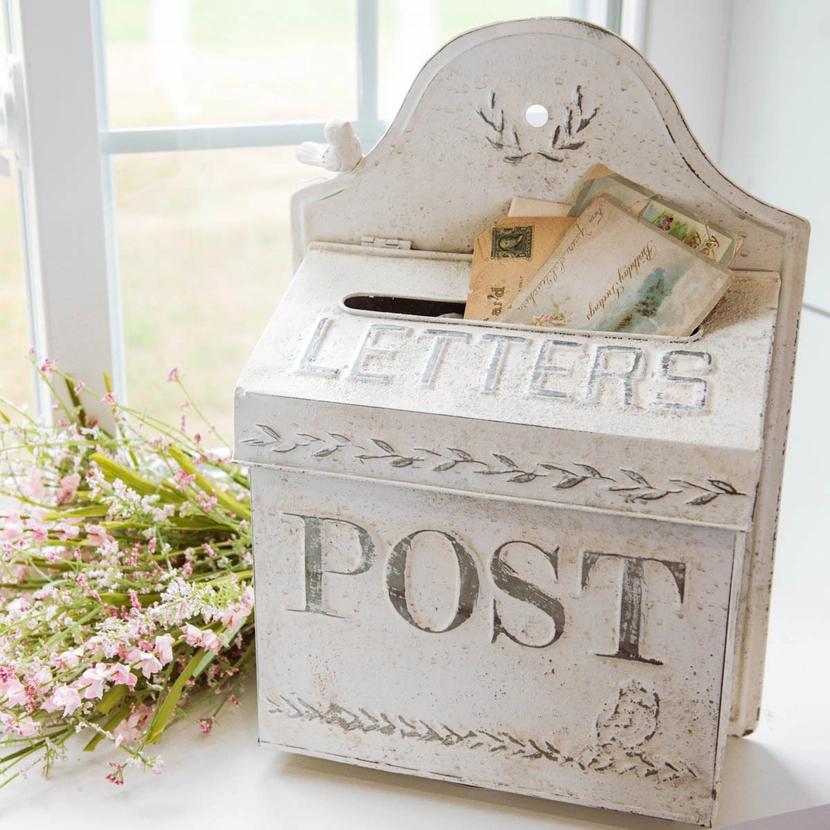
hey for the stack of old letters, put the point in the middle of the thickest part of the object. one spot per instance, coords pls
(618, 259)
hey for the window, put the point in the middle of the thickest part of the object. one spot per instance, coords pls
(196, 108)
(16, 379)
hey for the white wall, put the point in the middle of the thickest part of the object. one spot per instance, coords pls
(688, 44)
(776, 125)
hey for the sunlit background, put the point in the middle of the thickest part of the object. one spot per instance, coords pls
(202, 237)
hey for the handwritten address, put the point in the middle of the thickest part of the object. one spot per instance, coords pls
(615, 290)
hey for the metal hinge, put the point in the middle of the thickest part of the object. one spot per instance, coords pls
(382, 242)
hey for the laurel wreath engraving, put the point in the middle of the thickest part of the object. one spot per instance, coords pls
(629, 485)
(566, 135)
(624, 727)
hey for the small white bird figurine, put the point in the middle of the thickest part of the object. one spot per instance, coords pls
(342, 153)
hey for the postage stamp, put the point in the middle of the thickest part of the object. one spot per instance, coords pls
(512, 243)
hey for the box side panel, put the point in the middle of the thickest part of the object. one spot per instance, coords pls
(753, 619)
(525, 647)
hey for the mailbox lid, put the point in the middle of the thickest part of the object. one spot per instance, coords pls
(664, 426)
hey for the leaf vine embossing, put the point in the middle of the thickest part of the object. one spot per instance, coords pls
(624, 483)
(565, 136)
(623, 730)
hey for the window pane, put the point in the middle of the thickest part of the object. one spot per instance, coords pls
(16, 381)
(204, 255)
(178, 62)
(15, 371)
(410, 33)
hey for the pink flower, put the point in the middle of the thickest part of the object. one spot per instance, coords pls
(164, 648)
(34, 487)
(122, 676)
(236, 614)
(12, 528)
(93, 680)
(173, 375)
(206, 639)
(205, 725)
(207, 503)
(210, 641)
(71, 658)
(183, 479)
(131, 727)
(117, 775)
(47, 366)
(97, 535)
(68, 488)
(109, 398)
(247, 598)
(37, 526)
(15, 693)
(67, 530)
(27, 728)
(192, 635)
(67, 697)
(145, 661)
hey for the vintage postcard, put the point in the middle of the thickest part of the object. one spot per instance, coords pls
(506, 257)
(631, 196)
(615, 272)
(704, 237)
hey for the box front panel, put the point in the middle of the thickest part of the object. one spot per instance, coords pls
(561, 653)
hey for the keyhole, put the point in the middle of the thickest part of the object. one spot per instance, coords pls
(536, 115)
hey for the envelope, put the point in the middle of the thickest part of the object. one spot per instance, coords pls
(525, 206)
(506, 256)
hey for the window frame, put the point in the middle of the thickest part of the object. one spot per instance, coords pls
(68, 210)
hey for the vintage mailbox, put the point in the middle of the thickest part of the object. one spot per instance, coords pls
(524, 559)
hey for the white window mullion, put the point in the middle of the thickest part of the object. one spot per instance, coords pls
(116, 317)
(62, 188)
(210, 137)
(369, 126)
(602, 12)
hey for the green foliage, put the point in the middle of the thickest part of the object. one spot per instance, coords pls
(125, 574)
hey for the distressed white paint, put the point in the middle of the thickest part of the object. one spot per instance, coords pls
(567, 720)
(668, 449)
(611, 402)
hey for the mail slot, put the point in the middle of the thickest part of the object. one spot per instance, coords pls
(527, 559)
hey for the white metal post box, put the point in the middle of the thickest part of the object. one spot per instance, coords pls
(527, 559)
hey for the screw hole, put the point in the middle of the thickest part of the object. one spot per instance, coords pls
(536, 115)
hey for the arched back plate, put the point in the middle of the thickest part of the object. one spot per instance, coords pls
(460, 148)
